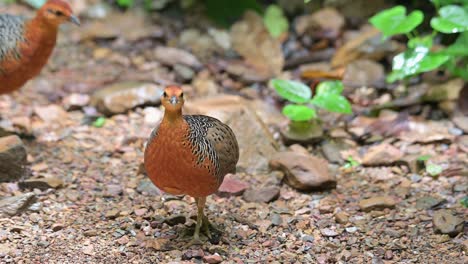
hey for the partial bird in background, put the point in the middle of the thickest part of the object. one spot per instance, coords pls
(26, 45)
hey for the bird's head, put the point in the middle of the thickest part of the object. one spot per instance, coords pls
(172, 98)
(56, 12)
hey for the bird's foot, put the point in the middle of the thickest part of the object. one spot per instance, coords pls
(207, 226)
(194, 242)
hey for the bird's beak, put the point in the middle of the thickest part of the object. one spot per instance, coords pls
(174, 100)
(75, 20)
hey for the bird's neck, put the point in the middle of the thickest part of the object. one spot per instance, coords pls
(173, 117)
(41, 27)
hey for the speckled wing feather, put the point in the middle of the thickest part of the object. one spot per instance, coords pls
(214, 140)
(11, 36)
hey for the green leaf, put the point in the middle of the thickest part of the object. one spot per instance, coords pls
(99, 122)
(125, 3)
(433, 169)
(395, 21)
(275, 21)
(330, 87)
(425, 41)
(464, 201)
(351, 162)
(299, 112)
(329, 97)
(424, 157)
(459, 48)
(452, 19)
(414, 61)
(293, 91)
(227, 12)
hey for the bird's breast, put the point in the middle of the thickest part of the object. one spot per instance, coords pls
(174, 168)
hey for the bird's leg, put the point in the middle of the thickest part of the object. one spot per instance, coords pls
(196, 236)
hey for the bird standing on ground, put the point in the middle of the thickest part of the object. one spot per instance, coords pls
(26, 45)
(190, 154)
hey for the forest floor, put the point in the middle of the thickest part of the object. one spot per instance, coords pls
(91, 202)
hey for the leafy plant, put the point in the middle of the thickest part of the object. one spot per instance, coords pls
(464, 201)
(433, 169)
(125, 3)
(303, 105)
(351, 162)
(419, 56)
(99, 122)
(275, 21)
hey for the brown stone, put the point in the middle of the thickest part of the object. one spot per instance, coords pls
(12, 158)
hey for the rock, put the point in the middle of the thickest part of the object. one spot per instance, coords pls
(123, 240)
(51, 113)
(147, 187)
(276, 219)
(262, 195)
(184, 72)
(303, 172)
(256, 144)
(173, 56)
(12, 158)
(41, 183)
(121, 97)
(445, 222)
(449, 90)
(113, 213)
(382, 154)
(232, 187)
(113, 190)
(364, 73)
(428, 202)
(213, 259)
(205, 85)
(461, 122)
(329, 232)
(90, 233)
(141, 211)
(302, 132)
(331, 150)
(175, 220)
(10, 206)
(57, 227)
(251, 39)
(377, 203)
(341, 218)
(325, 23)
(75, 101)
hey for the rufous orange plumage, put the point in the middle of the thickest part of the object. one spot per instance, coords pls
(26, 45)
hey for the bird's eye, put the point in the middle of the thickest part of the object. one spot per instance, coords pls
(59, 13)
(165, 94)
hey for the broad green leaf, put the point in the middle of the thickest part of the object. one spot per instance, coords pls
(293, 91)
(424, 157)
(452, 19)
(464, 201)
(299, 112)
(414, 61)
(433, 169)
(351, 162)
(334, 87)
(449, 2)
(99, 122)
(425, 41)
(275, 21)
(125, 3)
(459, 48)
(328, 96)
(395, 21)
